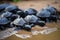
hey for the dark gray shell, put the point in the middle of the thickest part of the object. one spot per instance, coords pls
(27, 27)
(3, 6)
(11, 8)
(51, 9)
(21, 13)
(43, 13)
(31, 19)
(13, 17)
(41, 23)
(30, 11)
(6, 14)
(3, 20)
(19, 21)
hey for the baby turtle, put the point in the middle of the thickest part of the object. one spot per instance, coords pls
(32, 19)
(12, 9)
(4, 22)
(53, 12)
(51, 9)
(44, 15)
(30, 11)
(6, 14)
(19, 22)
(10, 16)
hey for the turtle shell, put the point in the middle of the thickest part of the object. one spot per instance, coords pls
(51, 9)
(30, 11)
(6, 14)
(21, 13)
(4, 21)
(44, 13)
(11, 8)
(14, 16)
(19, 22)
(3, 6)
(31, 19)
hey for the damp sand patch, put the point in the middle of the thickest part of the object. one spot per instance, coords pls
(45, 31)
(23, 36)
(7, 33)
(49, 30)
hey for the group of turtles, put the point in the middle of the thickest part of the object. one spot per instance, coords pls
(11, 16)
